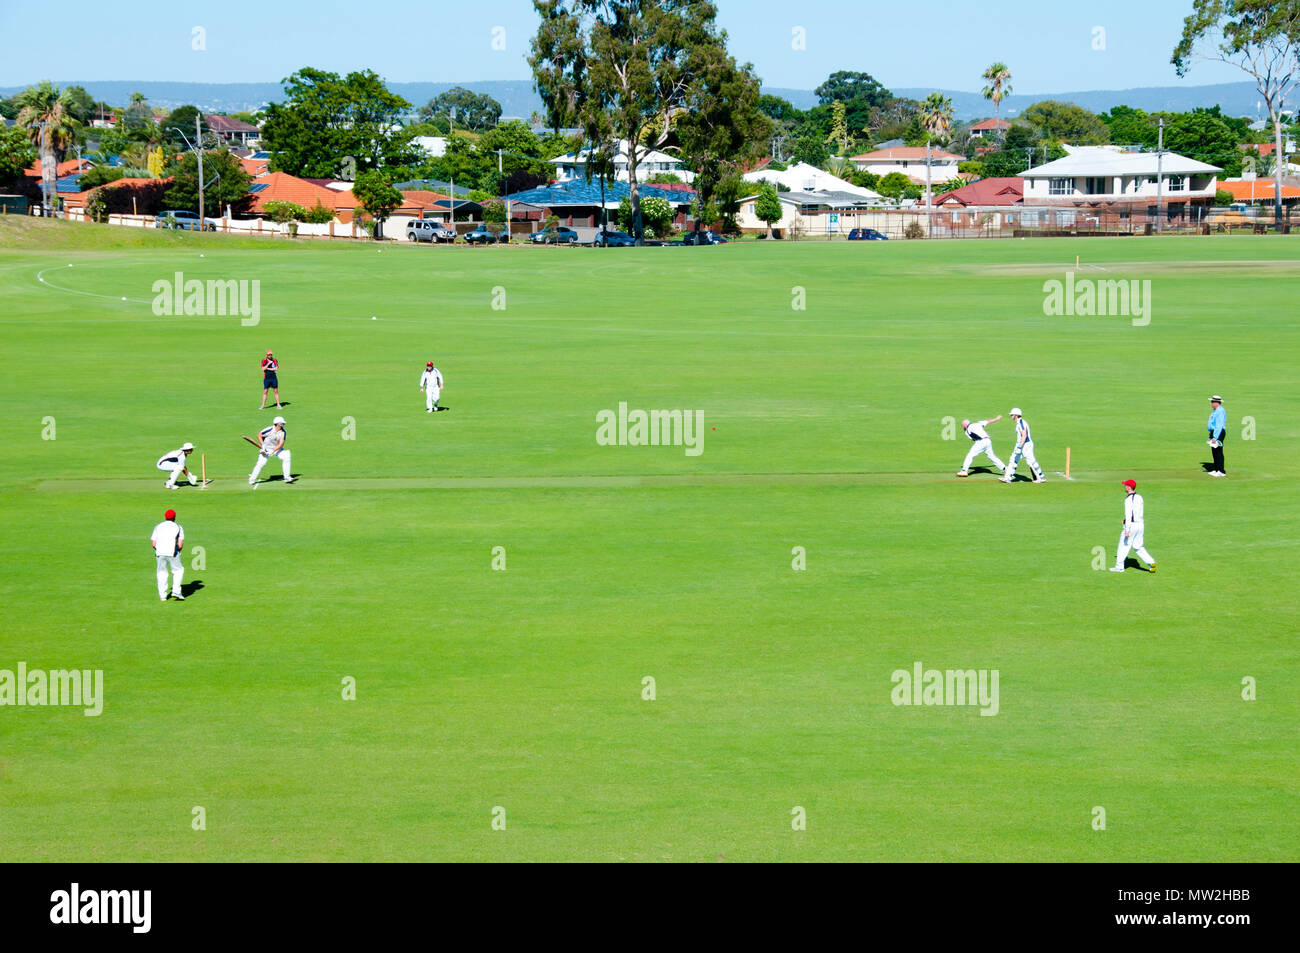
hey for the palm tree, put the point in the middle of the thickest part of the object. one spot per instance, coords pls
(45, 113)
(936, 116)
(998, 80)
(936, 119)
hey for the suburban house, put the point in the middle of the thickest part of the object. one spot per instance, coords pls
(577, 202)
(573, 165)
(999, 190)
(802, 177)
(233, 131)
(911, 161)
(283, 187)
(991, 128)
(1105, 178)
(810, 212)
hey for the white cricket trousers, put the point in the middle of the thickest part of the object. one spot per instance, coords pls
(984, 446)
(178, 573)
(261, 462)
(1134, 541)
(1025, 453)
(175, 471)
(431, 395)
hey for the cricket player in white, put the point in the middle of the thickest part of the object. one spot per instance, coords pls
(174, 464)
(273, 439)
(431, 384)
(1024, 450)
(167, 540)
(980, 443)
(1134, 528)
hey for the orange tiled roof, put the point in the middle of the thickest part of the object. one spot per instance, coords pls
(1260, 190)
(283, 187)
(67, 167)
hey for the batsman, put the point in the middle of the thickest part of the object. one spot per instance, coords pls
(270, 443)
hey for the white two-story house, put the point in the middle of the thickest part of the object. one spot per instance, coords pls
(1104, 177)
(650, 162)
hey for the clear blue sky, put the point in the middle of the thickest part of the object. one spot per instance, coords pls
(1047, 44)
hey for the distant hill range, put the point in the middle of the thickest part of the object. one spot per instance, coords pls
(517, 98)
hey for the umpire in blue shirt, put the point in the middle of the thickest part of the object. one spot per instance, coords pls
(1217, 427)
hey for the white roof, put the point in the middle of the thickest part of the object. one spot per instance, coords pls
(802, 177)
(1101, 160)
(620, 158)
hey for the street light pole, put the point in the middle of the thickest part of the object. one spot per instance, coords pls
(198, 139)
(1160, 179)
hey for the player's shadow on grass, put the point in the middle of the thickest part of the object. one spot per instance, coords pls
(278, 478)
(440, 408)
(975, 470)
(1132, 563)
(1021, 478)
(1207, 466)
(189, 588)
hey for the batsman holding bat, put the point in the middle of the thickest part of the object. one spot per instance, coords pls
(270, 443)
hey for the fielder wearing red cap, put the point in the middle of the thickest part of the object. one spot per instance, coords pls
(167, 541)
(269, 381)
(431, 384)
(1133, 530)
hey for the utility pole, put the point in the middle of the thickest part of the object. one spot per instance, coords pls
(198, 149)
(929, 216)
(501, 172)
(1160, 179)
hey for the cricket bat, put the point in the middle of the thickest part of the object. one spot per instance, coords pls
(255, 443)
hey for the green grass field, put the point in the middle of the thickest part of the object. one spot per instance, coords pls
(522, 689)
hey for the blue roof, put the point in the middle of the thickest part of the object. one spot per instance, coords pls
(581, 192)
(68, 183)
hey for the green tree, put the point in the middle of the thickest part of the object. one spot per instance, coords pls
(812, 150)
(1066, 122)
(494, 216)
(621, 66)
(721, 127)
(182, 118)
(893, 185)
(284, 212)
(466, 108)
(656, 216)
(137, 119)
(1203, 135)
(839, 126)
(16, 154)
(318, 214)
(80, 104)
(332, 126)
(997, 85)
(377, 196)
(1259, 37)
(1129, 126)
(767, 206)
(44, 114)
(225, 183)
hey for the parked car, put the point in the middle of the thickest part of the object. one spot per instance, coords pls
(555, 235)
(427, 230)
(612, 239)
(702, 237)
(485, 236)
(867, 235)
(185, 220)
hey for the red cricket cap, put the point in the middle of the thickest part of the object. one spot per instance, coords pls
(1131, 484)
(169, 515)
(268, 351)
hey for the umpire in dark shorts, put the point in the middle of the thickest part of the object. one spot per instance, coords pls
(269, 381)
(1218, 429)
